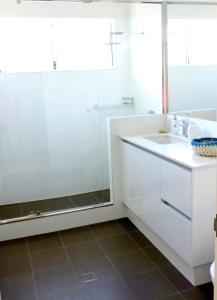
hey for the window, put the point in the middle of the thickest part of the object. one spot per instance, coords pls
(83, 43)
(192, 42)
(25, 45)
(36, 45)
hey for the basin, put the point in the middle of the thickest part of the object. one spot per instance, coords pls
(164, 139)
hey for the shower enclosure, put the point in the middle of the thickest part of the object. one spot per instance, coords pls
(65, 69)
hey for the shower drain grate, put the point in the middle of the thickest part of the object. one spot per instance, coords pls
(89, 276)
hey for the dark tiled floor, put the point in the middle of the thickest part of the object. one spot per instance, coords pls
(11, 211)
(121, 262)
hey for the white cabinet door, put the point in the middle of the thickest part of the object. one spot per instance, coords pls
(176, 187)
(176, 231)
(176, 203)
(150, 207)
(130, 176)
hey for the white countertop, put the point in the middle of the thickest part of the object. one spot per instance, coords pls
(180, 153)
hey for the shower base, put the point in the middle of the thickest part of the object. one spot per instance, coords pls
(22, 211)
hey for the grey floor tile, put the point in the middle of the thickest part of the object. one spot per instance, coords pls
(100, 267)
(149, 285)
(18, 288)
(125, 263)
(176, 278)
(49, 259)
(76, 235)
(117, 244)
(15, 266)
(156, 256)
(13, 248)
(44, 242)
(131, 263)
(105, 229)
(84, 251)
(56, 284)
(108, 290)
(140, 239)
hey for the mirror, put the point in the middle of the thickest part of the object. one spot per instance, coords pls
(192, 60)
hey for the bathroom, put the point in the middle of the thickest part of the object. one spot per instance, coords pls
(74, 78)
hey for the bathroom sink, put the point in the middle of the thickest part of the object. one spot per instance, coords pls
(164, 139)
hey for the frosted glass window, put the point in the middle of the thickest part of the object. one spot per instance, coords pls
(25, 45)
(83, 43)
(37, 45)
(192, 42)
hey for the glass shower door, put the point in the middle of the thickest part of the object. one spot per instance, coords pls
(51, 157)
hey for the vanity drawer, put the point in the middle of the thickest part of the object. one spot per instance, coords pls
(176, 186)
(176, 231)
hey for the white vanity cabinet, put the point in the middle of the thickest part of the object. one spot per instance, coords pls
(170, 195)
(176, 202)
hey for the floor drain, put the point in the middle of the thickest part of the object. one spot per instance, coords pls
(87, 277)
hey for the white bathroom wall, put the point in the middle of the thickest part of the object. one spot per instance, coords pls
(146, 56)
(51, 143)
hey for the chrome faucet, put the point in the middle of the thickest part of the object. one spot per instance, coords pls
(184, 124)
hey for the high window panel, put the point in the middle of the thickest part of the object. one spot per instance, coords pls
(192, 42)
(83, 43)
(40, 45)
(25, 45)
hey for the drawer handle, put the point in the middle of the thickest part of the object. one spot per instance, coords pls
(176, 210)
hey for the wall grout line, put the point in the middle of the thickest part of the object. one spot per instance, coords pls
(33, 274)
